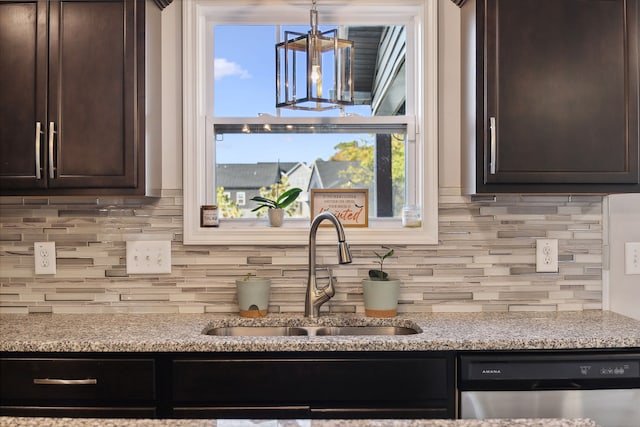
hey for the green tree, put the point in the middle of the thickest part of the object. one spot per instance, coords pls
(360, 152)
(362, 174)
(227, 207)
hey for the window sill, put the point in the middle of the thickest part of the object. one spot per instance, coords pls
(296, 232)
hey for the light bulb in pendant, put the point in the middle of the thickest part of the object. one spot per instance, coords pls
(316, 74)
(316, 78)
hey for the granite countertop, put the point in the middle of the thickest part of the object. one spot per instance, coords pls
(86, 422)
(184, 332)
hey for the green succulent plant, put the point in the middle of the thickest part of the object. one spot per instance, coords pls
(380, 274)
(283, 200)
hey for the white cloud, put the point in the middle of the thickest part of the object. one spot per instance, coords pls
(225, 68)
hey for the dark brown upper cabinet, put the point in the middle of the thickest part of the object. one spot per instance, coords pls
(72, 97)
(551, 96)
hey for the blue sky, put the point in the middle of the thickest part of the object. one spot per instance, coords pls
(245, 87)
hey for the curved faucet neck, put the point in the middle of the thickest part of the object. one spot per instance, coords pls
(315, 297)
(314, 231)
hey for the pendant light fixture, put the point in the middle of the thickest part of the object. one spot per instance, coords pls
(314, 71)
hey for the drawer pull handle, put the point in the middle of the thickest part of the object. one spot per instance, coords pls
(59, 381)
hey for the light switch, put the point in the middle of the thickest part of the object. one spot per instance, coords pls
(148, 257)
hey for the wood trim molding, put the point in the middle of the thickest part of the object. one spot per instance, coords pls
(164, 3)
(457, 2)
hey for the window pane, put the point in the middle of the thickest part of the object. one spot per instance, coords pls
(265, 159)
(245, 71)
(244, 164)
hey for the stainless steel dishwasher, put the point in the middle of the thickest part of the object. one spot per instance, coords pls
(603, 386)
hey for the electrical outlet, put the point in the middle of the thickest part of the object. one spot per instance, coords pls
(632, 258)
(148, 257)
(547, 255)
(44, 254)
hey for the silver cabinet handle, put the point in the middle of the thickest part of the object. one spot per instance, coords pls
(59, 381)
(492, 147)
(38, 132)
(52, 131)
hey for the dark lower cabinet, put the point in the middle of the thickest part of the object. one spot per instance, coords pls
(551, 93)
(314, 385)
(79, 386)
(293, 385)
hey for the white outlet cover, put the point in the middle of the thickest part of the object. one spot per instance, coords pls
(44, 255)
(632, 258)
(148, 257)
(547, 255)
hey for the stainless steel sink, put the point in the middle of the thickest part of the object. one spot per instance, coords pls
(321, 331)
(257, 331)
(364, 330)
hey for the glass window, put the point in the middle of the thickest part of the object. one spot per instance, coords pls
(241, 198)
(250, 147)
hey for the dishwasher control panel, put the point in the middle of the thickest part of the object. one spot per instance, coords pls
(552, 370)
(549, 367)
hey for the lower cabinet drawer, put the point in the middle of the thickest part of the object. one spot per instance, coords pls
(76, 380)
(79, 411)
(355, 385)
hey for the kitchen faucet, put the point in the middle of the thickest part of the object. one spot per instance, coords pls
(315, 296)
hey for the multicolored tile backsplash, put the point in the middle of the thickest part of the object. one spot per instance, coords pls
(485, 260)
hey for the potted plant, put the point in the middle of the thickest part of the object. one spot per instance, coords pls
(380, 291)
(276, 206)
(253, 295)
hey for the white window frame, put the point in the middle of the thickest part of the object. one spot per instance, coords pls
(421, 16)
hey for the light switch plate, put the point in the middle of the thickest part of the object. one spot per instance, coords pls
(148, 257)
(547, 255)
(44, 254)
(632, 258)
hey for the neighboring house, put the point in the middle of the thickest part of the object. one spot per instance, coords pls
(299, 176)
(327, 174)
(242, 181)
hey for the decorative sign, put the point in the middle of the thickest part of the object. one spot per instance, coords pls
(351, 206)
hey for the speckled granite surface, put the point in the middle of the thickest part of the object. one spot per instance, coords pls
(80, 422)
(184, 332)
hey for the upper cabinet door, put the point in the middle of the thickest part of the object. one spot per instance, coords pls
(92, 94)
(23, 94)
(72, 97)
(556, 96)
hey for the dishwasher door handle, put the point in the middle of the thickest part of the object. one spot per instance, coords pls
(555, 385)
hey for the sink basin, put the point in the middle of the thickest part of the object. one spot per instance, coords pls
(321, 331)
(257, 331)
(364, 330)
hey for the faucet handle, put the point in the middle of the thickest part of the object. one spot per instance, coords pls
(329, 290)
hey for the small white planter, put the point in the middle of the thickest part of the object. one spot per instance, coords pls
(276, 216)
(253, 296)
(381, 297)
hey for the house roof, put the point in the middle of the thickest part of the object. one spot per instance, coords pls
(250, 175)
(329, 175)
